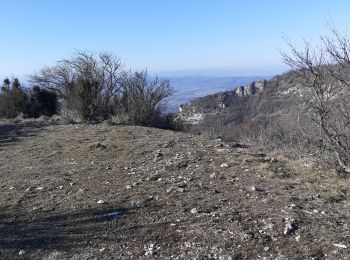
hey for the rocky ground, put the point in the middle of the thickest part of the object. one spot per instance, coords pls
(120, 192)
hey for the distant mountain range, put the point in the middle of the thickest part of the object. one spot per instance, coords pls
(188, 88)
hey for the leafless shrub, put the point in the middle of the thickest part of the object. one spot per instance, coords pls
(142, 98)
(86, 82)
(325, 86)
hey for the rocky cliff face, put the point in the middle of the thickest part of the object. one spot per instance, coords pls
(259, 108)
(251, 89)
(195, 111)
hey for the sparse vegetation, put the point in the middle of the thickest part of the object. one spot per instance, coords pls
(94, 87)
(142, 99)
(325, 86)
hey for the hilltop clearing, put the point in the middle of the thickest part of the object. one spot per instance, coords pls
(122, 192)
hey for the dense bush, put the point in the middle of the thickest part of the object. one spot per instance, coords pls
(41, 102)
(35, 102)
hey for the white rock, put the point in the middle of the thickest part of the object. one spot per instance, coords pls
(11, 188)
(194, 211)
(213, 175)
(224, 165)
(290, 227)
(40, 188)
(21, 252)
(188, 244)
(101, 202)
(340, 246)
(150, 249)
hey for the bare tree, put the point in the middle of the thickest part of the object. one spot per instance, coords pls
(325, 92)
(87, 82)
(142, 98)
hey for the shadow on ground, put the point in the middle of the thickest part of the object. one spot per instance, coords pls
(59, 232)
(14, 132)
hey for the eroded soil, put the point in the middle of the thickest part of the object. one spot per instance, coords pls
(114, 192)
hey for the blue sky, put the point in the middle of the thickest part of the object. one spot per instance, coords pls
(185, 36)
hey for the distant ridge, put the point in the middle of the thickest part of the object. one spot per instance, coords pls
(188, 88)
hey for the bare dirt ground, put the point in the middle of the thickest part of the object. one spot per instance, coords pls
(118, 192)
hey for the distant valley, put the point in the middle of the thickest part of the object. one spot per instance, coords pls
(188, 88)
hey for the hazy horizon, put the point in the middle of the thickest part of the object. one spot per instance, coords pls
(226, 38)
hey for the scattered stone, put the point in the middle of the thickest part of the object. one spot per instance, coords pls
(224, 165)
(150, 250)
(292, 206)
(180, 190)
(291, 226)
(213, 175)
(97, 145)
(101, 202)
(154, 177)
(254, 188)
(188, 244)
(157, 156)
(136, 204)
(340, 246)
